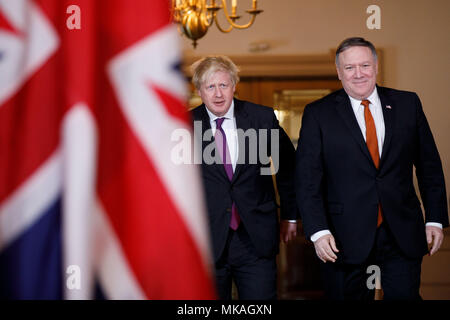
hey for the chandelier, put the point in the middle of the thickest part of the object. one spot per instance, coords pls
(196, 16)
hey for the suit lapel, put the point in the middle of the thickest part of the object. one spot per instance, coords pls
(345, 110)
(206, 125)
(243, 123)
(388, 115)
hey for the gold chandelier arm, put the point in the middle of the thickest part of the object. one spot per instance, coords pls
(231, 22)
(219, 27)
(245, 26)
(210, 17)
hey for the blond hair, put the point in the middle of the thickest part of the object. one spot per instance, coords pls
(202, 69)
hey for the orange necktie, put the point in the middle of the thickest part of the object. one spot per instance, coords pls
(372, 145)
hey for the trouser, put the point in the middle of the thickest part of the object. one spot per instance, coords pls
(400, 275)
(255, 277)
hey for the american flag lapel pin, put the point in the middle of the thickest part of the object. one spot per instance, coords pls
(388, 107)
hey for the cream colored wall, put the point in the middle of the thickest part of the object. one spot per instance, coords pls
(414, 37)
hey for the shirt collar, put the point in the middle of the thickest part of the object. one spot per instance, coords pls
(373, 98)
(228, 115)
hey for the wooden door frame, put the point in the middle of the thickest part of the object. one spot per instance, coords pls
(298, 66)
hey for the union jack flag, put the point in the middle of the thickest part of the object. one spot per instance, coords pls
(86, 181)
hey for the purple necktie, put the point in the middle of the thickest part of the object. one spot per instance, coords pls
(221, 143)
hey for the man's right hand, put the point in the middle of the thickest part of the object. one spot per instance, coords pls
(326, 248)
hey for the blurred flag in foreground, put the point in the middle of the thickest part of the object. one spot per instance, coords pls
(90, 93)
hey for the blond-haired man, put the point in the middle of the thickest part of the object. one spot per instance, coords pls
(240, 196)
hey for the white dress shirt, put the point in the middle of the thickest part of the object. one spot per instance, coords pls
(377, 115)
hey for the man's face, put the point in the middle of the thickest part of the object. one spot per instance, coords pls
(357, 69)
(217, 93)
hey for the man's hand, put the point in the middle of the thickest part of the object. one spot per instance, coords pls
(326, 248)
(435, 237)
(288, 230)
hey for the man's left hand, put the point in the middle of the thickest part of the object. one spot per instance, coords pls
(288, 230)
(435, 237)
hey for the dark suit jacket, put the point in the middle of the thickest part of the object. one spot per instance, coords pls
(252, 192)
(338, 187)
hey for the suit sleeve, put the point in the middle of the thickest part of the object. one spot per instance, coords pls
(429, 171)
(284, 175)
(309, 175)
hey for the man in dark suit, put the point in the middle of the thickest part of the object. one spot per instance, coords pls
(240, 196)
(354, 181)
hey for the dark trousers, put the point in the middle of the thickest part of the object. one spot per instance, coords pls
(255, 277)
(400, 275)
